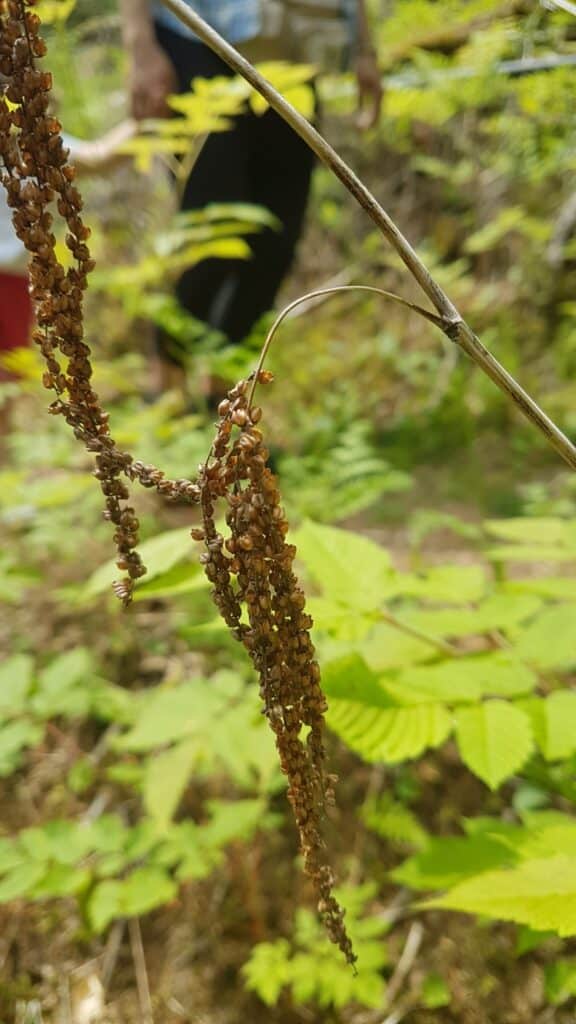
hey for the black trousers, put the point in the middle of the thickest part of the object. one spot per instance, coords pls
(259, 160)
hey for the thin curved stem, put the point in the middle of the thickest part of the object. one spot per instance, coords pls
(454, 326)
(335, 290)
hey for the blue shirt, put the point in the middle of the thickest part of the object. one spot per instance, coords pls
(235, 20)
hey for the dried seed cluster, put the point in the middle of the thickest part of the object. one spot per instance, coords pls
(254, 585)
(252, 570)
(36, 175)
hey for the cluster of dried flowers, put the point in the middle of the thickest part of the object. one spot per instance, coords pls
(253, 569)
(39, 181)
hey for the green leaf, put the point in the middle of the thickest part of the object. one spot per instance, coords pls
(336, 618)
(532, 530)
(550, 641)
(145, 889)
(165, 781)
(388, 647)
(494, 739)
(500, 611)
(435, 992)
(538, 893)
(268, 970)
(63, 686)
(554, 723)
(15, 737)
(446, 584)
(167, 715)
(21, 880)
(528, 940)
(350, 678)
(379, 734)
(65, 671)
(351, 569)
(60, 880)
(560, 981)
(159, 554)
(233, 819)
(446, 861)
(181, 579)
(104, 904)
(395, 822)
(15, 683)
(558, 588)
(525, 553)
(11, 856)
(462, 680)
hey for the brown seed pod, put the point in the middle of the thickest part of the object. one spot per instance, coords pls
(278, 638)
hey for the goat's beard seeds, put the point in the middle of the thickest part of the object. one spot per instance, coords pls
(254, 585)
(252, 573)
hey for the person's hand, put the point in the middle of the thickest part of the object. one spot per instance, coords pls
(370, 91)
(152, 80)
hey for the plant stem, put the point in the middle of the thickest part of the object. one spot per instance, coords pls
(334, 290)
(403, 627)
(453, 326)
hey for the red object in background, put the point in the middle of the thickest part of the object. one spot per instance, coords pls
(15, 313)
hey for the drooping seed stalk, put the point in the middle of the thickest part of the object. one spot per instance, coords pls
(251, 571)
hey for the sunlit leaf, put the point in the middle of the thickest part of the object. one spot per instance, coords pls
(494, 739)
(554, 723)
(15, 683)
(159, 554)
(539, 893)
(165, 780)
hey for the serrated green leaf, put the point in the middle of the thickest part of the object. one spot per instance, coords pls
(232, 819)
(351, 569)
(387, 647)
(165, 780)
(462, 680)
(268, 970)
(550, 641)
(337, 619)
(350, 678)
(559, 588)
(15, 737)
(435, 992)
(168, 715)
(65, 671)
(61, 880)
(446, 584)
(499, 611)
(545, 838)
(181, 579)
(15, 683)
(379, 734)
(530, 553)
(104, 904)
(560, 981)
(538, 893)
(554, 723)
(494, 739)
(11, 856)
(529, 940)
(145, 889)
(447, 861)
(21, 880)
(395, 822)
(159, 554)
(531, 530)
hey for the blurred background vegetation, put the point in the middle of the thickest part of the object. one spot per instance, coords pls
(148, 864)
